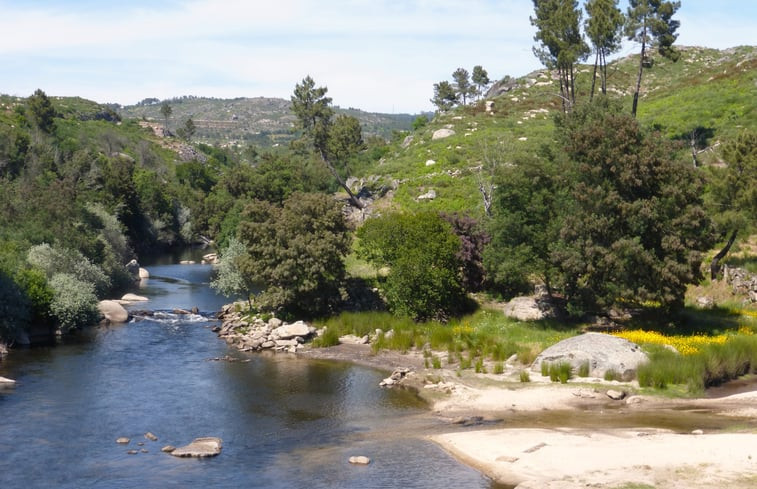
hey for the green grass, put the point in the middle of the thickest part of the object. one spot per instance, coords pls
(713, 365)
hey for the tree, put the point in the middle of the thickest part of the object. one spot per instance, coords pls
(636, 228)
(188, 130)
(650, 22)
(314, 115)
(229, 279)
(295, 252)
(603, 28)
(445, 96)
(530, 200)
(480, 78)
(422, 254)
(166, 111)
(42, 111)
(463, 86)
(733, 192)
(561, 44)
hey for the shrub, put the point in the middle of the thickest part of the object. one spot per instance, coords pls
(499, 368)
(525, 376)
(56, 260)
(436, 362)
(421, 252)
(74, 304)
(14, 309)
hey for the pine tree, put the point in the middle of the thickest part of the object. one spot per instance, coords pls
(603, 28)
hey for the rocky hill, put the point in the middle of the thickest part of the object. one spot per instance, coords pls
(261, 121)
(705, 98)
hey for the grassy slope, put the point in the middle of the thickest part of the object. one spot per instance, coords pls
(710, 89)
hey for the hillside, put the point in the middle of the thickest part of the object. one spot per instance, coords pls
(708, 93)
(261, 121)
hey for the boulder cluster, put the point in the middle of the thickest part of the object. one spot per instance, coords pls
(742, 282)
(256, 334)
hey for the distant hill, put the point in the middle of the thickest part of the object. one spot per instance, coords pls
(261, 121)
(709, 96)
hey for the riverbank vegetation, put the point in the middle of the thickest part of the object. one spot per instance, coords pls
(613, 203)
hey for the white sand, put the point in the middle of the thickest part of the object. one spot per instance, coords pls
(573, 458)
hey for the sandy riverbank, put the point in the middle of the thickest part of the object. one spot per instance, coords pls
(594, 455)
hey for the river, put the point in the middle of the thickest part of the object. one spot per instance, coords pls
(285, 422)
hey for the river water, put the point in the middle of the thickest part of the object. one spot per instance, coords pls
(285, 422)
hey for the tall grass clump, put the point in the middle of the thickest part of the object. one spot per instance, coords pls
(561, 371)
(714, 364)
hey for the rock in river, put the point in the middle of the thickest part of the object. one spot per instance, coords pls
(200, 447)
(113, 311)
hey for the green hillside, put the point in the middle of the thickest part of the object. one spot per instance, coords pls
(709, 92)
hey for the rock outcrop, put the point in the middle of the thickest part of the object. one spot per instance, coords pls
(113, 312)
(530, 308)
(602, 352)
(256, 334)
(442, 133)
(200, 447)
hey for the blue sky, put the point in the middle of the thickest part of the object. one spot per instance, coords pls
(378, 55)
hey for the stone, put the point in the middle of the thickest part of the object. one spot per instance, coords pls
(705, 302)
(150, 436)
(133, 268)
(289, 331)
(430, 195)
(134, 298)
(360, 460)
(430, 162)
(285, 343)
(123, 440)
(406, 142)
(603, 352)
(489, 106)
(200, 447)
(132, 452)
(616, 395)
(143, 273)
(442, 133)
(275, 323)
(697, 432)
(6, 380)
(187, 262)
(168, 449)
(113, 312)
(529, 308)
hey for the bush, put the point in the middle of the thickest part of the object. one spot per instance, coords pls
(55, 260)
(296, 252)
(14, 309)
(421, 252)
(74, 304)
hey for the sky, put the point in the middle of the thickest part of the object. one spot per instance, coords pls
(375, 55)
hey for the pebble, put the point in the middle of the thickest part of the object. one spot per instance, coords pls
(360, 460)
(123, 440)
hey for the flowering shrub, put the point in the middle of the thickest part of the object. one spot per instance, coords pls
(686, 345)
(74, 304)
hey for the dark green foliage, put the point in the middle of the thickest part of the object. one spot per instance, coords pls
(650, 23)
(561, 45)
(603, 28)
(480, 78)
(463, 86)
(421, 252)
(420, 122)
(636, 227)
(42, 110)
(14, 309)
(334, 141)
(296, 252)
(445, 96)
(530, 202)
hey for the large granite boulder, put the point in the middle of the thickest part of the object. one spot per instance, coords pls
(530, 308)
(289, 331)
(200, 447)
(603, 353)
(442, 133)
(113, 311)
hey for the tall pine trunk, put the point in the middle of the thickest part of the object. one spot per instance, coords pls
(641, 68)
(594, 76)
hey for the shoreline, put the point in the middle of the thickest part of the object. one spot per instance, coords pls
(594, 448)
